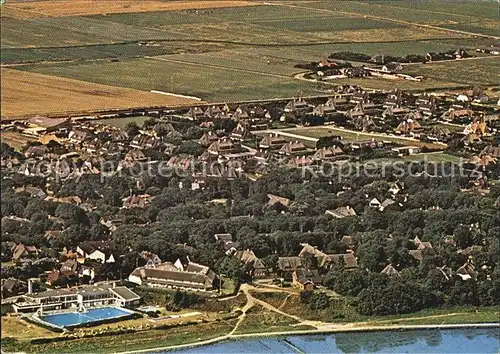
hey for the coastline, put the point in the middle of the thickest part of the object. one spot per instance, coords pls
(338, 329)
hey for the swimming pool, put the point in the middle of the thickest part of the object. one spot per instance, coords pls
(91, 316)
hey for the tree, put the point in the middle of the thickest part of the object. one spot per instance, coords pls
(348, 283)
(132, 129)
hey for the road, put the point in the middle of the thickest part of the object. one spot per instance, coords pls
(386, 19)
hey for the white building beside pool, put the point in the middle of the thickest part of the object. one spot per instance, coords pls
(78, 297)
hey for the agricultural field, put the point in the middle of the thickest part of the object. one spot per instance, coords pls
(233, 50)
(467, 72)
(51, 94)
(426, 12)
(58, 8)
(483, 9)
(209, 83)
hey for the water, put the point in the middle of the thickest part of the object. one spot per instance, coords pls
(415, 341)
(79, 318)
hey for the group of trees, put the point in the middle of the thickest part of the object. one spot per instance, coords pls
(180, 221)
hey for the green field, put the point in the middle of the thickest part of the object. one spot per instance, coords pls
(472, 72)
(122, 122)
(321, 24)
(354, 136)
(481, 9)
(427, 11)
(247, 53)
(70, 31)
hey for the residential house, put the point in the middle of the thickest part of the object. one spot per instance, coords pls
(408, 126)
(325, 109)
(241, 113)
(100, 251)
(467, 271)
(190, 276)
(390, 271)
(136, 201)
(35, 192)
(135, 155)
(327, 153)
(241, 132)
(341, 212)
(297, 106)
(356, 111)
(78, 136)
(356, 72)
(259, 269)
(395, 112)
(207, 139)
(348, 242)
(490, 150)
(22, 252)
(321, 259)
(360, 97)
(453, 114)
(222, 146)
(272, 141)
(292, 148)
(36, 151)
(195, 113)
(180, 162)
(306, 279)
(299, 161)
(12, 286)
(426, 104)
(226, 240)
(347, 260)
(288, 265)
(275, 199)
(386, 203)
(394, 99)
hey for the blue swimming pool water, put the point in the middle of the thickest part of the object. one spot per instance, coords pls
(80, 318)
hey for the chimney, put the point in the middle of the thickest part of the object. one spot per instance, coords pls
(30, 286)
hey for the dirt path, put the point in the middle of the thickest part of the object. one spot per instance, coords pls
(250, 303)
(387, 19)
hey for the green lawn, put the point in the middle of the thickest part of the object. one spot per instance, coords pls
(122, 122)
(433, 158)
(349, 135)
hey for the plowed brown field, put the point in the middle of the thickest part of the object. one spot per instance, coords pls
(55, 8)
(25, 93)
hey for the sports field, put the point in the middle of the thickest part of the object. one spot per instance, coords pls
(353, 135)
(25, 93)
